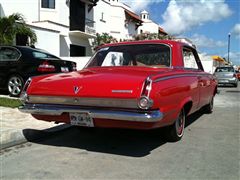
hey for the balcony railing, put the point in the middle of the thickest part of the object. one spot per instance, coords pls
(90, 30)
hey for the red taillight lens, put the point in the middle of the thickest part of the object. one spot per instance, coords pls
(145, 102)
(147, 87)
(24, 96)
(46, 67)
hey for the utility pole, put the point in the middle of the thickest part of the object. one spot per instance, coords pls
(229, 36)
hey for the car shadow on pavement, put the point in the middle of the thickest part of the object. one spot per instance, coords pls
(125, 142)
(134, 143)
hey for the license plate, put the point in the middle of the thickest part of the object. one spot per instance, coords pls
(223, 81)
(64, 69)
(81, 119)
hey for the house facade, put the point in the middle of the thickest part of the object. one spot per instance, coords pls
(148, 26)
(67, 28)
(63, 27)
(117, 19)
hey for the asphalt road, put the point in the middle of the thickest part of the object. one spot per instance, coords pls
(210, 149)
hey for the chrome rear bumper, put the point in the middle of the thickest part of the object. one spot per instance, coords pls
(137, 116)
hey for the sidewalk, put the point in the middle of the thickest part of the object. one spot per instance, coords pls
(14, 126)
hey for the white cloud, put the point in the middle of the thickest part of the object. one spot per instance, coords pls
(234, 57)
(181, 16)
(139, 5)
(202, 41)
(236, 31)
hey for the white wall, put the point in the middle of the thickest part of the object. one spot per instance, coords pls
(47, 40)
(117, 22)
(81, 61)
(29, 8)
(130, 31)
(148, 27)
(102, 24)
(207, 63)
(64, 46)
(60, 14)
(113, 21)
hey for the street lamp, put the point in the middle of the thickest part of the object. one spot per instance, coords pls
(229, 36)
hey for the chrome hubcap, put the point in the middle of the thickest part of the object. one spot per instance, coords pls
(15, 85)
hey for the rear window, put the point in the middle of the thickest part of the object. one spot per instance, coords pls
(41, 55)
(225, 69)
(154, 55)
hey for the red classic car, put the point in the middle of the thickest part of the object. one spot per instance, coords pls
(138, 84)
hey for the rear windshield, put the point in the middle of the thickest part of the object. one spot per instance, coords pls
(153, 55)
(41, 55)
(225, 69)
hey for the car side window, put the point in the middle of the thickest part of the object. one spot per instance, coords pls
(9, 54)
(189, 59)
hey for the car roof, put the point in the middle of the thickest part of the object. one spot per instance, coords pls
(27, 49)
(170, 42)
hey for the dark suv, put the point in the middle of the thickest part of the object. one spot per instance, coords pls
(18, 63)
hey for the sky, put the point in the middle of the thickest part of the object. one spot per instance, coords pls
(207, 23)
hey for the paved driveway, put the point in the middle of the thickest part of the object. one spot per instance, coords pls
(208, 150)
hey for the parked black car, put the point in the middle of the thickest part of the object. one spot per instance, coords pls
(18, 63)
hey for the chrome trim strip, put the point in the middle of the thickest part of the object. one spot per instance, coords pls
(122, 91)
(137, 116)
(178, 76)
(83, 101)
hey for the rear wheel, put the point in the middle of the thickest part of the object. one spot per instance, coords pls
(15, 85)
(175, 132)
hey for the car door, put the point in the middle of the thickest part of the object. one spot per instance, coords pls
(8, 58)
(193, 64)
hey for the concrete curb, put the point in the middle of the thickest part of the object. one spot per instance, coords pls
(11, 138)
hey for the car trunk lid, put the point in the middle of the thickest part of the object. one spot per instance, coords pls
(104, 82)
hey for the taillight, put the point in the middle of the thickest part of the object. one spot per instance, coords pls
(74, 66)
(147, 87)
(46, 67)
(144, 101)
(235, 75)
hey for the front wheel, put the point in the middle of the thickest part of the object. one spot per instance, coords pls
(175, 132)
(15, 85)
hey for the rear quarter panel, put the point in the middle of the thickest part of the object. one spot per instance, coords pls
(170, 94)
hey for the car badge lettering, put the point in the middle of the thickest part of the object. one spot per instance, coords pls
(122, 91)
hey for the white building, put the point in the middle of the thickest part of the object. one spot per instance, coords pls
(148, 26)
(116, 19)
(63, 27)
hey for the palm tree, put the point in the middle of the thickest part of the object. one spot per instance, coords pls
(12, 26)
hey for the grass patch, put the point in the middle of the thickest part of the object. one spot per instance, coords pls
(12, 103)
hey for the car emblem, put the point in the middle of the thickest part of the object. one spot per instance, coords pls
(76, 89)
